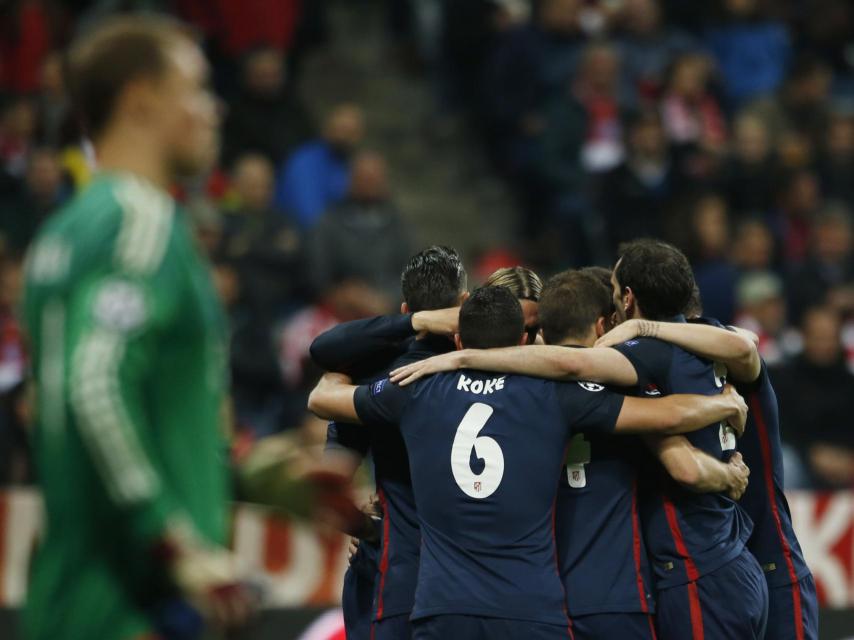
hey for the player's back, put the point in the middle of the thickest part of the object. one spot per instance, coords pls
(486, 452)
(116, 264)
(773, 540)
(688, 534)
(602, 553)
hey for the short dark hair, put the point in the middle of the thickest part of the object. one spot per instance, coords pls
(491, 317)
(658, 274)
(103, 61)
(603, 275)
(433, 279)
(571, 304)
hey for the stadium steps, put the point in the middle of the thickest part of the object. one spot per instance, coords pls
(440, 180)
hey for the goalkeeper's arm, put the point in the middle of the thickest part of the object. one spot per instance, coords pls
(113, 325)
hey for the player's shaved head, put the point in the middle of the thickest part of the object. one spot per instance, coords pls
(104, 61)
(433, 279)
(491, 318)
(571, 305)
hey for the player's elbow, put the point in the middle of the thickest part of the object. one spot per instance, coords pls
(319, 352)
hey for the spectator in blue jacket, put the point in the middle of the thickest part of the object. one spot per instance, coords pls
(317, 175)
(751, 50)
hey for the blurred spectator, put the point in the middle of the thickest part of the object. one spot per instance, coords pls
(14, 452)
(531, 65)
(256, 388)
(17, 126)
(816, 396)
(836, 158)
(364, 239)
(635, 197)
(597, 89)
(267, 117)
(469, 31)
(690, 112)
(28, 31)
(317, 174)
(798, 203)
(647, 47)
(56, 127)
(750, 171)
(265, 248)
(43, 190)
(753, 246)
(762, 310)
(827, 275)
(752, 51)
(715, 275)
(801, 108)
(355, 255)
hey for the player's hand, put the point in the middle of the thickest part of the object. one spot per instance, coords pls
(207, 576)
(440, 322)
(738, 418)
(739, 473)
(410, 373)
(620, 334)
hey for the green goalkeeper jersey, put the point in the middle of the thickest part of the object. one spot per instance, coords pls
(129, 359)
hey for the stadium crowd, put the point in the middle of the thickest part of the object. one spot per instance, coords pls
(725, 127)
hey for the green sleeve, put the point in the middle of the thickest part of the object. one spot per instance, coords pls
(116, 319)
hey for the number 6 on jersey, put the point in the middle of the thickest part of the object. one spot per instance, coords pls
(485, 483)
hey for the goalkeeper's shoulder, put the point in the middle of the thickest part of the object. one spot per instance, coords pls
(118, 223)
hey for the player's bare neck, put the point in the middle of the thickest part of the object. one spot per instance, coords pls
(123, 151)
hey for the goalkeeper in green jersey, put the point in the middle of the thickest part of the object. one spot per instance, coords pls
(129, 359)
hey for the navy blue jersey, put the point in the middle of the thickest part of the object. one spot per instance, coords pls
(687, 534)
(486, 453)
(773, 540)
(362, 347)
(603, 558)
(400, 539)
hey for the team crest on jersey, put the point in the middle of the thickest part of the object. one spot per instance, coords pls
(651, 390)
(120, 305)
(378, 386)
(631, 343)
(591, 386)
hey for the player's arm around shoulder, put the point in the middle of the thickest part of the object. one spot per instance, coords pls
(733, 348)
(682, 413)
(606, 366)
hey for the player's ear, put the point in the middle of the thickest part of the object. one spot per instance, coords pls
(457, 342)
(524, 339)
(404, 308)
(464, 296)
(601, 326)
(629, 302)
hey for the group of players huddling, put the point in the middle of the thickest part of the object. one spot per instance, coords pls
(525, 490)
(559, 490)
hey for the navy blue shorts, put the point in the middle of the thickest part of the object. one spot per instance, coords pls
(731, 602)
(626, 626)
(391, 628)
(357, 597)
(458, 627)
(793, 611)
